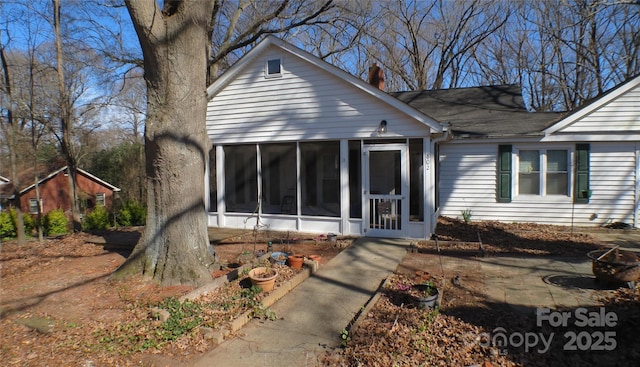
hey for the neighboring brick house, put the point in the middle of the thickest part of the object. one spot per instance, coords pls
(54, 192)
(3, 182)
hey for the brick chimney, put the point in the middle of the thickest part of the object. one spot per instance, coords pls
(376, 76)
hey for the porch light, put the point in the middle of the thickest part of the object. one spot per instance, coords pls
(383, 127)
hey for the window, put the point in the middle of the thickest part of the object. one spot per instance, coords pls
(529, 172)
(279, 178)
(543, 172)
(355, 179)
(274, 68)
(101, 199)
(33, 206)
(557, 172)
(213, 183)
(320, 178)
(241, 182)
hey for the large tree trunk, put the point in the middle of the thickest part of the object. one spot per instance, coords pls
(174, 248)
(66, 122)
(12, 133)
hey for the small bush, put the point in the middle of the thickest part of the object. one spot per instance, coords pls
(29, 223)
(96, 220)
(7, 225)
(55, 223)
(132, 214)
(466, 215)
(9, 220)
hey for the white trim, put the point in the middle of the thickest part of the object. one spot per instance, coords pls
(345, 197)
(593, 106)
(274, 75)
(34, 201)
(221, 205)
(404, 188)
(636, 209)
(542, 157)
(592, 137)
(101, 201)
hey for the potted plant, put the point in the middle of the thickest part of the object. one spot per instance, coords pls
(315, 257)
(263, 277)
(279, 258)
(425, 295)
(295, 261)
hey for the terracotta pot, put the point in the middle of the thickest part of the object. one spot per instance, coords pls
(295, 261)
(263, 277)
(315, 257)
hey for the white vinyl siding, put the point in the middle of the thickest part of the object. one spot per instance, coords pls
(306, 103)
(622, 114)
(468, 182)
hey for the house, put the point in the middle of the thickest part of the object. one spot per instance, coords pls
(580, 168)
(301, 145)
(3, 182)
(54, 190)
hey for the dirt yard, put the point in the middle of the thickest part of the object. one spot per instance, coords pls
(59, 307)
(460, 333)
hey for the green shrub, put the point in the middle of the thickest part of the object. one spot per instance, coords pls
(132, 214)
(97, 219)
(8, 221)
(29, 224)
(55, 223)
(7, 225)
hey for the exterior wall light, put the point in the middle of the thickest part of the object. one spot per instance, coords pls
(383, 127)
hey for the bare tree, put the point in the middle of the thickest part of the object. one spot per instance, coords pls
(177, 42)
(12, 130)
(424, 45)
(563, 53)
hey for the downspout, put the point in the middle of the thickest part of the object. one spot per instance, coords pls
(434, 175)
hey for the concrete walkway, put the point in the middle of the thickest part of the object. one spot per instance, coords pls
(313, 315)
(531, 282)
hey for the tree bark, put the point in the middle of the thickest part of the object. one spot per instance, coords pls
(174, 248)
(66, 122)
(12, 136)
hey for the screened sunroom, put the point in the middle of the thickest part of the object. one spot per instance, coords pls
(318, 186)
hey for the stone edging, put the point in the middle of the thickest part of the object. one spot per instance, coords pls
(218, 336)
(357, 319)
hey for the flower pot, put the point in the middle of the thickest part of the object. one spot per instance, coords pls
(279, 258)
(263, 277)
(428, 297)
(315, 257)
(295, 261)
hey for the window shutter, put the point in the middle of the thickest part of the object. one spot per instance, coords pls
(582, 193)
(503, 184)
